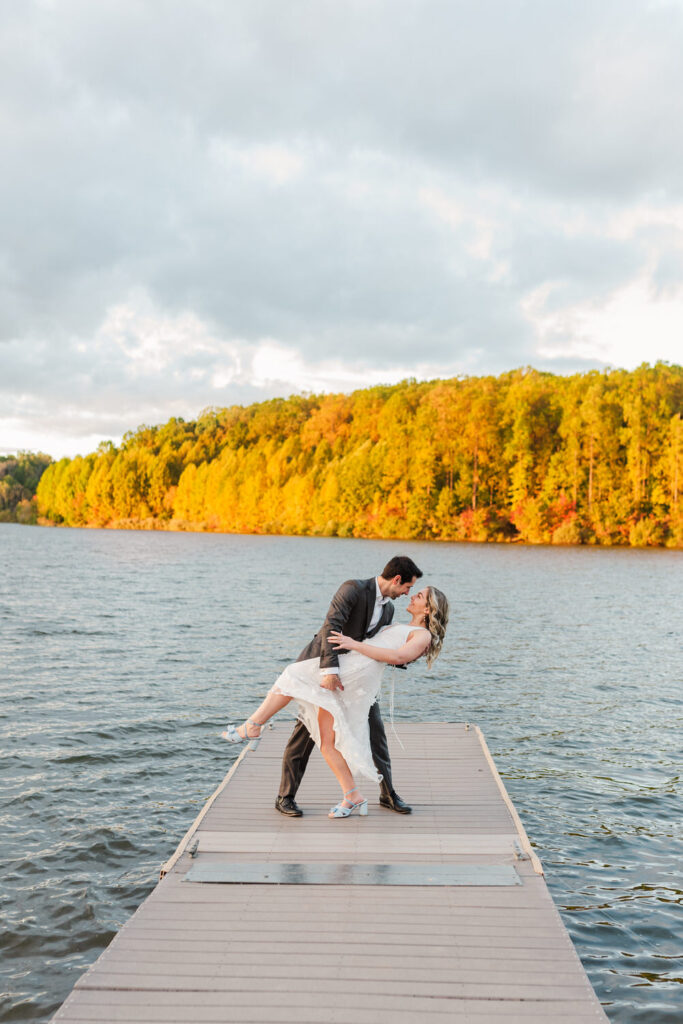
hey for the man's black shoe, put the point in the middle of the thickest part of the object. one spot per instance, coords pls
(286, 805)
(394, 803)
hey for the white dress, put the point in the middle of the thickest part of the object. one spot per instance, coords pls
(361, 678)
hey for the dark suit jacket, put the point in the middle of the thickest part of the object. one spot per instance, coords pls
(350, 613)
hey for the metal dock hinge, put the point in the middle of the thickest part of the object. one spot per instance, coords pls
(193, 849)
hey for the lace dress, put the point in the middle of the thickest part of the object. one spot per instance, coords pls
(361, 678)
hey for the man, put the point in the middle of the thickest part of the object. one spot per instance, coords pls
(360, 608)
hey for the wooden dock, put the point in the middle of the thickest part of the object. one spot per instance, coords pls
(440, 915)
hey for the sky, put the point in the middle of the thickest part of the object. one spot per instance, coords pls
(206, 204)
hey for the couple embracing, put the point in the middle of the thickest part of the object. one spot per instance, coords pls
(337, 696)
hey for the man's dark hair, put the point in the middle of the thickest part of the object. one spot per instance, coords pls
(401, 565)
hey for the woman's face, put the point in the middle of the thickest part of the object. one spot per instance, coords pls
(419, 603)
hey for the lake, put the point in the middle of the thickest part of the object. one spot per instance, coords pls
(122, 655)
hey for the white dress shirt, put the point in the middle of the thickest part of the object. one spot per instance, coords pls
(380, 601)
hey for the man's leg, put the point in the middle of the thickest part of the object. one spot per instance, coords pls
(294, 760)
(380, 749)
(380, 755)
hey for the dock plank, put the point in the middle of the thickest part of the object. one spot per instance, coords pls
(282, 953)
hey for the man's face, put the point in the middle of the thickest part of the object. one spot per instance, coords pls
(398, 589)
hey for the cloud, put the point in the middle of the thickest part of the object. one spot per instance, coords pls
(613, 329)
(273, 164)
(235, 201)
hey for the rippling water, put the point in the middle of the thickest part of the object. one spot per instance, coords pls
(122, 653)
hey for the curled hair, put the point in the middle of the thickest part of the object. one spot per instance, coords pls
(436, 622)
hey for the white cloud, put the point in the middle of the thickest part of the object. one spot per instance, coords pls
(276, 164)
(275, 364)
(447, 210)
(633, 325)
(151, 340)
(627, 222)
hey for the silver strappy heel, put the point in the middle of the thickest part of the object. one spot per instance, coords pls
(339, 811)
(233, 736)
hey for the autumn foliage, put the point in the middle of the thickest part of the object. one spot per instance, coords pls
(19, 476)
(528, 456)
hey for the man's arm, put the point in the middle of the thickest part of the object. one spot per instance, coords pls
(337, 617)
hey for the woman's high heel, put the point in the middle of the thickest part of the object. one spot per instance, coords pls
(340, 811)
(233, 736)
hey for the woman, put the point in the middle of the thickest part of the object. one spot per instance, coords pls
(338, 720)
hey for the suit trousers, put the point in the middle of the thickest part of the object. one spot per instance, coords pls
(300, 745)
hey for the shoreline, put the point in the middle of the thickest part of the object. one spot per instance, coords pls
(182, 526)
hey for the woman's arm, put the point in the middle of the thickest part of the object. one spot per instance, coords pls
(414, 646)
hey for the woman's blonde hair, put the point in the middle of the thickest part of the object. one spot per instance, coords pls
(436, 621)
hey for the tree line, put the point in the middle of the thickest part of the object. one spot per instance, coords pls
(527, 456)
(19, 476)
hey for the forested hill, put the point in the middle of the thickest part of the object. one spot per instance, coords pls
(19, 476)
(530, 456)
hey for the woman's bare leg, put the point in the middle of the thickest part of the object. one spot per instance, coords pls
(335, 760)
(273, 703)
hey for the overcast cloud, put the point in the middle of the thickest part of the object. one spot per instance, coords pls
(211, 203)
